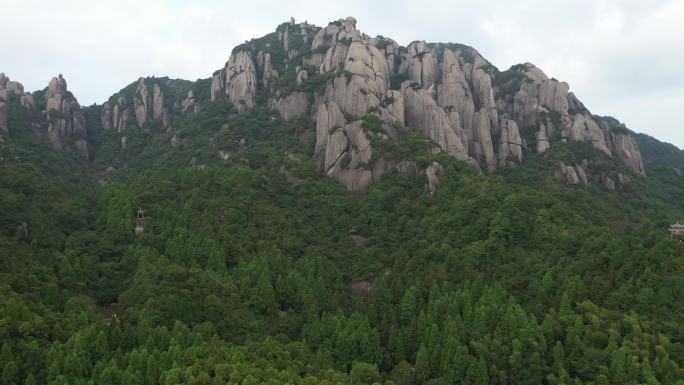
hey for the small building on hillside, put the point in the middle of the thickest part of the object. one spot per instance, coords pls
(677, 230)
(140, 222)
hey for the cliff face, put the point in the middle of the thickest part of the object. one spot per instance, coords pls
(447, 92)
(343, 79)
(56, 110)
(149, 100)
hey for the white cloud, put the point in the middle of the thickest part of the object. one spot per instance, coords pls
(621, 58)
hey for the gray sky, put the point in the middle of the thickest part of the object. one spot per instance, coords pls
(621, 58)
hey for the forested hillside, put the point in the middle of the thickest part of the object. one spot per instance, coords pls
(255, 267)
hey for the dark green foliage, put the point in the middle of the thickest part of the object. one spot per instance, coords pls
(382, 44)
(397, 79)
(243, 277)
(508, 82)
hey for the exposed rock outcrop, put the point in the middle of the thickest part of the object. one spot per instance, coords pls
(622, 143)
(423, 67)
(237, 81)
(585, 129)
(567, 174)
(510, 143)
(146, 101)
(189, 104)
(423, 114)
(433, 173)
(66, 121)
(328, 119)
(354, 96)
(292, 106)
(625, 147)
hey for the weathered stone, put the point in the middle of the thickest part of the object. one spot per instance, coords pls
(406, 167)
(302, 76)
(623, 179)
(120, 114)
(359, 241)
(292, 106)
(625, 147)
(567, 174)
(510, 143)
(265, 68)
(584, 129)
(354, 96)
(368, 62)
(394, 106)
(55, 93)
(27, 100)
(424, 115)
(542, 140)
(423, 67)
(582, 175)
(328, 118)
(158, 108)
(241, 80)
(454, 94)
(189, 104)
(141, 103)
(607, 182)
(481, 145)
(433, 172)
(483, 95)
(554, 95)
(217, 85)
(335, 148)
(224, 155)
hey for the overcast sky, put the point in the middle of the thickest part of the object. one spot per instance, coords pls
(621, 58)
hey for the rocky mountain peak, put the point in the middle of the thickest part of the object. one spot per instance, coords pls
(448, 92)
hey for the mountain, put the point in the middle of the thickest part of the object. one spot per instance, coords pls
(334, 208)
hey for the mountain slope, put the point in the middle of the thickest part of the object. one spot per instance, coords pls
(256, 267)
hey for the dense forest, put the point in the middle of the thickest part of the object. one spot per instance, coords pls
(248, 275)
(255, 267)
